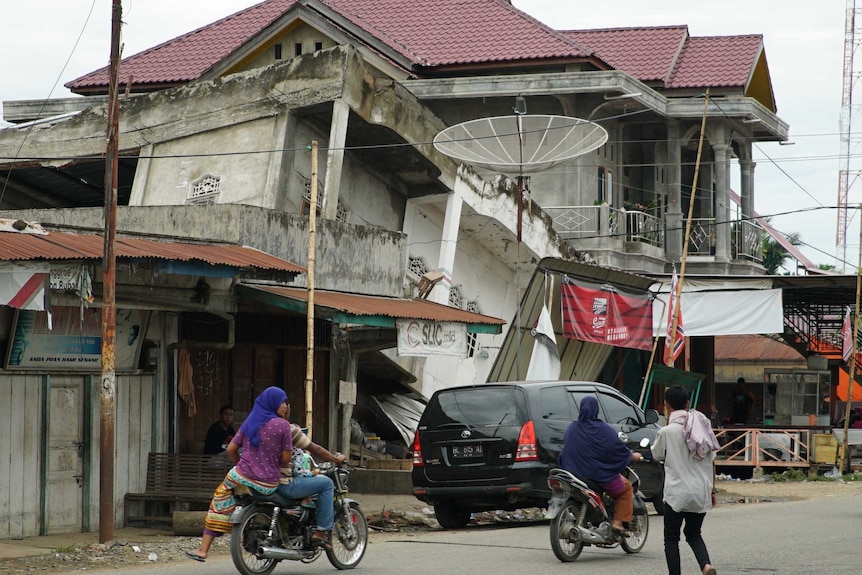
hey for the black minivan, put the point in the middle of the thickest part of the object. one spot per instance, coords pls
(490, 446)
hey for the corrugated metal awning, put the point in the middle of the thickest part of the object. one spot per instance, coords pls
(58, 246)
(368, 310)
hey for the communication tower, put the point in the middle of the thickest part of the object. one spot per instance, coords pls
(851, 141)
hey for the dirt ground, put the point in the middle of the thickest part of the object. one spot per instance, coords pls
(387, 516)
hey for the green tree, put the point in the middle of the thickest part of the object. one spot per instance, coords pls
(774, 254)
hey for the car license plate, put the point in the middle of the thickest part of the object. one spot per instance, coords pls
(467, 451)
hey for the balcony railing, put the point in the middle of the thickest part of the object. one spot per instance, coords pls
(643, 227)
(702, 239)
(578, 222)
(748, 241)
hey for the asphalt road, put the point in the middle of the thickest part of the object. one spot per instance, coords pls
(819, 536)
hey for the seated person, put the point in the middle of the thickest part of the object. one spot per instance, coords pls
(220, 433)
(593, 451)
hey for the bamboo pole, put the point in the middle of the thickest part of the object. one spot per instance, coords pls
(678, 294)
(312, 233)
(846, 442)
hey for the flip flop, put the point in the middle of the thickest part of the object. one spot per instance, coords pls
(191, 555)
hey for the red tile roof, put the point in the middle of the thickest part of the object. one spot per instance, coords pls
(647, 54)
(717, 61)
(437, 33)
(669, 54)
(189, 56)
(367, 305)
(445, 32)
(16, 246)
(428, 33)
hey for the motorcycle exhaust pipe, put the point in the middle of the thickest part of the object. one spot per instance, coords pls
(281, 553)
(590, 536)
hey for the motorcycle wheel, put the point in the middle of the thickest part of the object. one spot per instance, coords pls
(562, 524)
(247, 537)
(639, 528)
(348, 547)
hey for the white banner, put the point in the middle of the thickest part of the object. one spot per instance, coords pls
(724, 312)
(429, 338)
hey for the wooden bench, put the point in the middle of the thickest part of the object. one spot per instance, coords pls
(175, 479)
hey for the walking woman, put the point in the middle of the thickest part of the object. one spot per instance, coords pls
(687, 445)
(266, 441)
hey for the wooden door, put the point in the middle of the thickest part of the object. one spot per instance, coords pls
(65, 455)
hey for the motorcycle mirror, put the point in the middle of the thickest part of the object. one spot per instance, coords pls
(623, 437)
(644, 442)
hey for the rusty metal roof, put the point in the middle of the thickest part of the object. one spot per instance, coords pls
(367, 305)
(754, 348)
(16, 246)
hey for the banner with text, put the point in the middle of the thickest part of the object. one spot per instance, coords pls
(430, 338)
(601, 314)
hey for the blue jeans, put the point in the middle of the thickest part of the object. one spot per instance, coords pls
(302, 487)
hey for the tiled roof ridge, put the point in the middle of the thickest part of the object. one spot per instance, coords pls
(727, 36)
(624, 28)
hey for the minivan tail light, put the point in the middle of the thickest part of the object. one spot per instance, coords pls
(526, 450)
(417, 451)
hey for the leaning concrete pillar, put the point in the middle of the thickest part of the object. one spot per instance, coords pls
(335, 158)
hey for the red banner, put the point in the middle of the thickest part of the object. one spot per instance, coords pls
(606, 316)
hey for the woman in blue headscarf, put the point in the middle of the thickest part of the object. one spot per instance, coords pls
(592, 450)
(266, 441)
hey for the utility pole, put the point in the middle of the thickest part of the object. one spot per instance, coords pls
(107, 386)
(312, 233)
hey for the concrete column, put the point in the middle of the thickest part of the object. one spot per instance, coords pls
(280, 162)
(722, 201)
(335, 158)
(674, 223)
(142, 173)
(746, 181)
(449, 243)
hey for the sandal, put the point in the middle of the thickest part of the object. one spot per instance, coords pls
(321, 539)
(195, 556)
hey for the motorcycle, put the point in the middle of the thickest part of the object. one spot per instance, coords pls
(581, 514)
(269, 529)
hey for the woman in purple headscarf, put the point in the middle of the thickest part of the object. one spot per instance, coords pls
(266, 442)
(592, 450)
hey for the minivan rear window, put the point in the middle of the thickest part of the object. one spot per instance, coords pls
(476, 407)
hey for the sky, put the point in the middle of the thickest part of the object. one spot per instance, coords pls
(46, 43)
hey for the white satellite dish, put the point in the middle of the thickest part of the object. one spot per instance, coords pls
(520, 144)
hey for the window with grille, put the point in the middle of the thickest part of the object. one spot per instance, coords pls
(204, 191)
(472, 338)
(341, 212)
(456, 298)
(416, 268)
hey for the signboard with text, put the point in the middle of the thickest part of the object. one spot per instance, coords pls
(431, 338)
(74, 339)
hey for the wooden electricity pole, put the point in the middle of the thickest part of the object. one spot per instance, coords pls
(107, 383)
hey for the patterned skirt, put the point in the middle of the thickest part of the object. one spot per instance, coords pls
(223, 502)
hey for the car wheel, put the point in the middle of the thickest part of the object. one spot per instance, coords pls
(450, 515)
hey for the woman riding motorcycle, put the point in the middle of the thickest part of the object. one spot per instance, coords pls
(592, 450)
